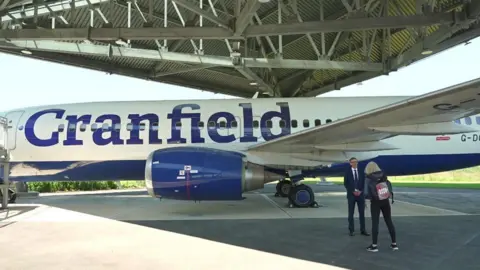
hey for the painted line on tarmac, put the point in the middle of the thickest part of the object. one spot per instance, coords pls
(272, 202)
(435, 208)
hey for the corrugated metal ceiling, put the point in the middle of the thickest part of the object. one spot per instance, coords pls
(228, 80)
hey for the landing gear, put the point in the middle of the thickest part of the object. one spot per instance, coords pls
(301, 196)
(12, 195)
(283, 188)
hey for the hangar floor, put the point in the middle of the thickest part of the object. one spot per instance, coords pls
(436, 229)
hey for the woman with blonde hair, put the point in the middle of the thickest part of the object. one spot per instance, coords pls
(379, 190)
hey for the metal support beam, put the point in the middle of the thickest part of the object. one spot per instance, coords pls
(4, 162)
(310, 64)
(245, 16)
(203, 13)
(294, 6)
(104, 34)
(72, 5)
(248, 73)
(349, 80)
(78, 61)
(100, 50)
(14, 3)
(113, 34)
(4, 4)
(413, 54)
(46, 9)
(429, 42)
(177, 44)
(265, 55)
(245, 71)
(185, 70)
(6, 183)
(351, 24)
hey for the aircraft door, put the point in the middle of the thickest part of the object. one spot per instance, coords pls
(12, 127)
(3, 132)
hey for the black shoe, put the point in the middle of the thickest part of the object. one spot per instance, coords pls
(365, 233)
(352, 233)
(394, 246)
(372, 248)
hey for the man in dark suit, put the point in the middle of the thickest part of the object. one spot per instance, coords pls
(354, 181)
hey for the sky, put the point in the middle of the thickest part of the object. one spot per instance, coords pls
(29, 82)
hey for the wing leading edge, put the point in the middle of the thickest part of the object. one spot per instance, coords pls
(429, 114)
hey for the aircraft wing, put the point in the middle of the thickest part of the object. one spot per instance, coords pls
(429, 114)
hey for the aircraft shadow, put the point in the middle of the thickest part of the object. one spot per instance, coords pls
(422, 240)
(445, 241)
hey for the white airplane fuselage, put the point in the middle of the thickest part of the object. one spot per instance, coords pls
(111, 140)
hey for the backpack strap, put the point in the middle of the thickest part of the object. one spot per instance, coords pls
(390, 188)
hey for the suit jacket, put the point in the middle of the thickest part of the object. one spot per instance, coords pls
(349, 182)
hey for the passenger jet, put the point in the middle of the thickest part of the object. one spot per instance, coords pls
(219, 149)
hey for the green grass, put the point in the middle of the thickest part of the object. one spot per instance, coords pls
(83, 186)
(459, 179)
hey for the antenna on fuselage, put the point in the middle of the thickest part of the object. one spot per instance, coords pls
(256, 95)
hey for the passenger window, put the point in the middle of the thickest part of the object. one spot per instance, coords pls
(282, 123)
(178, 124)
(255, 124)
(72, 127)
(294, 124)
(94, 127)
(478, 120)
(306, 123)
(468, 121)
(458, 121)
(328, 121)
(318, 122)
(141, 126)
(201, 124)
(61, 128)
(83, 127)
(154, 126)
(105, 127)
(211, 124)
(117, 127)
(130, 127)
(234, 124)
(223, 124)
(269, 124)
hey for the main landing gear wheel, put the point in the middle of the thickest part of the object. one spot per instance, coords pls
(301, 196)
(283, 188)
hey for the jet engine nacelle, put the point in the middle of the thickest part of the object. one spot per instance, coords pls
(203, 174)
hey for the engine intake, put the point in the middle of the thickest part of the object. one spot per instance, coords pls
(197, 173)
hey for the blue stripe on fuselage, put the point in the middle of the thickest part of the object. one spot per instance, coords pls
(135, 169)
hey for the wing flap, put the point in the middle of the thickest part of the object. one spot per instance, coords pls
(425, 129)
(442, 106)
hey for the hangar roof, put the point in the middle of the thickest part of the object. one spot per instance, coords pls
(238, 47)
